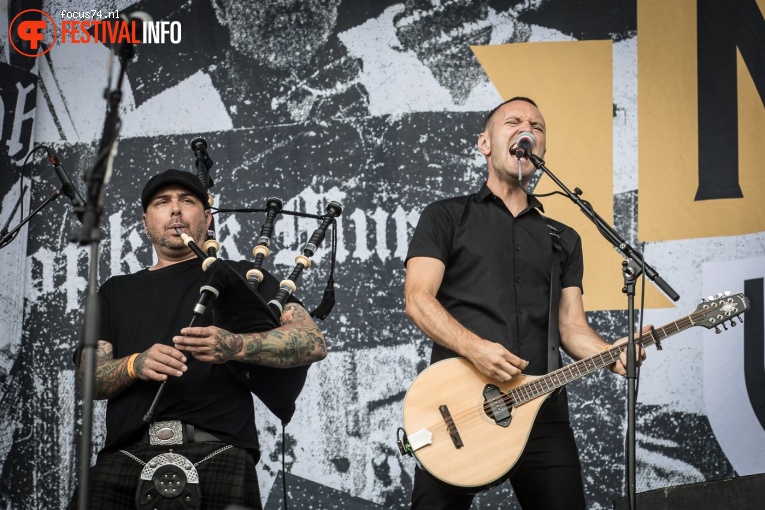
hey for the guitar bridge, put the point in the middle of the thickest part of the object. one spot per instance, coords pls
(450, 426)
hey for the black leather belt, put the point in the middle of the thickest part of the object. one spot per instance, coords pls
(176, 432)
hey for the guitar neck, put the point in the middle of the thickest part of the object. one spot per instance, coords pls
(561, 377)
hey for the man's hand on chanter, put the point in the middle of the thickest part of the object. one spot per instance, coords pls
(159, 362)
(210, 344)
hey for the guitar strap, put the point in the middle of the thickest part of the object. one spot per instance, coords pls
(553, 331)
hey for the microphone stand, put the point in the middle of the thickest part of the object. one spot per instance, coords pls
(631, 270)
(91, 235)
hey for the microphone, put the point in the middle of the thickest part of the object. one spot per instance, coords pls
(138, 16)
(67, 188)
(525, 144)
(124, 48)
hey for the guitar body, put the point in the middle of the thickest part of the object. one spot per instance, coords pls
(468, 434)
(489, 451)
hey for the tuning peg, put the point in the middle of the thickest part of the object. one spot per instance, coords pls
(710, 298)
(733, 323)
(717, 330)
(739, 318)
(724, 326)
(727, 293)
(719, 295)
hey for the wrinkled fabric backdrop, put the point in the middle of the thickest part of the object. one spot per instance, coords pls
(378, 104)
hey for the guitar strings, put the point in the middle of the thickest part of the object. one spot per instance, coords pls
(523, 394)
(530, 391)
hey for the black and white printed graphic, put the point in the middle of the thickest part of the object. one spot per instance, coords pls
(375, 104)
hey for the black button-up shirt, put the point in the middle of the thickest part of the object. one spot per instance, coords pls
(497, 277)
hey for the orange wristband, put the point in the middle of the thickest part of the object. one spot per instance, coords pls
(131, 365)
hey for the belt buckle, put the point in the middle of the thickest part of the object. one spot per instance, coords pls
(166, 432)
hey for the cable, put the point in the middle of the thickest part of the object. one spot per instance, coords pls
(529, 193)
(284, 463)
(22, 190)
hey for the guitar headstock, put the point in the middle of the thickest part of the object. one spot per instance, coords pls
(715, 311)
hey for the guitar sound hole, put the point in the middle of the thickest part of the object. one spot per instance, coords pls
(488, 410)
(495, 406)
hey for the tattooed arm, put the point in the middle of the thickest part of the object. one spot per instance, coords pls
(111, 374)
(112, 378)
(297, 341)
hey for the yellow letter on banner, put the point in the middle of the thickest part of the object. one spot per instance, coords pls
(572, 83)
(668, 133)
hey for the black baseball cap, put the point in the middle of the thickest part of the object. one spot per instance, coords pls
(186, 179)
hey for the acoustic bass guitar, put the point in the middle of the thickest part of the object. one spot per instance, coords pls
(468, 433)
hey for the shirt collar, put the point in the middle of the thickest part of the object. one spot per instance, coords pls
(484, 193)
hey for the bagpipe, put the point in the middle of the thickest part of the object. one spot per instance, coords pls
(232, 296)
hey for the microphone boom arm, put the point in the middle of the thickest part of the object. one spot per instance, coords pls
(608, 232)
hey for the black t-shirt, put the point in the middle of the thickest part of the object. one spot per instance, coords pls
(497, 277)
(149, 307)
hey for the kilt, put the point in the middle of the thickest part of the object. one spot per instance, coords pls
(227, 478)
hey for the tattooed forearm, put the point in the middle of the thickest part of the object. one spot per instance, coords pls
(111, 374)
(228, 345)
(253, 347)
(297, 341)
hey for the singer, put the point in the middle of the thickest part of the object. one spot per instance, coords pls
(202, 449)
(481, 273)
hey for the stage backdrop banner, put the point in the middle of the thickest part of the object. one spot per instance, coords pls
(378, 105)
